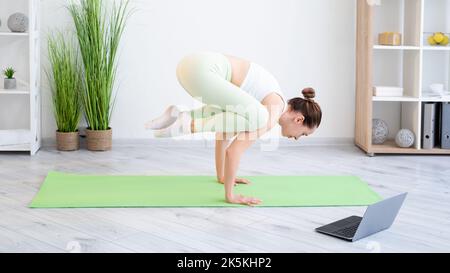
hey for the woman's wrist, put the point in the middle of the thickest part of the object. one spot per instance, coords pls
(229, 194)
(229, 197)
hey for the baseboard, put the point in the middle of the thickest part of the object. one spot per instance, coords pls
(268, 143)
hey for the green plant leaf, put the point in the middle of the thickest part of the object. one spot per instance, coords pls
(65, 79)
(9, 73)
(99, 31)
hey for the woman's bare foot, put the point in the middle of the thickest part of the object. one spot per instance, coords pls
(238, 181)
(165, 120)
(181, 127)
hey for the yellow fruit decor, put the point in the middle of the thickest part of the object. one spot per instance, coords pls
(438, 38)
(431, 40)
(445, 41)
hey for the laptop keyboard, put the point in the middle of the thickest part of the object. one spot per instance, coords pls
(345, 228)
(348, 232)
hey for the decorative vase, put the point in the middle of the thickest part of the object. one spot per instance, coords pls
(380, 131)
(10, 83)
(67, 141)
(18, 22)
(405, 138)
(99, 141)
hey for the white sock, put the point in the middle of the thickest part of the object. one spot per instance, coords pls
(165, 120)
(182, 126)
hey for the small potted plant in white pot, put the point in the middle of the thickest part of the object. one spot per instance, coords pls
(65, 79)
(10, 81)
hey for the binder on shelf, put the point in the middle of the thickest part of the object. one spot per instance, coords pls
(445, 125)
(438, 130)
(429, 126)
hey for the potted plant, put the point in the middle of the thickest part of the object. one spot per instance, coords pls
(99, 32)
(10, 81)
(65, 80)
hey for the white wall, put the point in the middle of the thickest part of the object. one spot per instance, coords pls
(302, 42)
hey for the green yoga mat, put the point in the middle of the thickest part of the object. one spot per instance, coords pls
(87, 191)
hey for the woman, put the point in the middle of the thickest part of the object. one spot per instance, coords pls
(243, 102)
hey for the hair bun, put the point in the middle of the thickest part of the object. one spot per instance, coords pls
(309, 93)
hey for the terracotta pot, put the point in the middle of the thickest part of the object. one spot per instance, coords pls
(99, 141)
(67, 141)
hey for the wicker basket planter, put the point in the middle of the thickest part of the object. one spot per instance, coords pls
(99, 141)
(67, 141)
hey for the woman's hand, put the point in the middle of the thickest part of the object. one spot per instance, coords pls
(242, 200)
(237, 181)
(243, 181)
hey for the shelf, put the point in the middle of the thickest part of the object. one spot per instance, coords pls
(21, 107)
(415, 65)
(400, 68)
(14, 92)
(9, 138)
(398, 16)
(389, 147)
(23, 88)
(24, 34)
(383, 47)
(399, 115)
(16, 148)
(427, 47)
(435, 151)
(435, 18)
(435, 70)
(437, 48)
(396, 99)
(435, 99)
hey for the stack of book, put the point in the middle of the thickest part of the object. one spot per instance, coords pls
(387, 91)
(436, 125)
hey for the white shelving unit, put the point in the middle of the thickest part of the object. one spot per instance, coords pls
(380, 47)
(414, 65)
(20, 111)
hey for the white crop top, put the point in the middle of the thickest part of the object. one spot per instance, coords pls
(259, 83)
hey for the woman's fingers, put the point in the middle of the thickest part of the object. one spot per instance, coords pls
(250, 201)
(243, 181)
(238, 181)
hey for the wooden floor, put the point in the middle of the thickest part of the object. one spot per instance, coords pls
(422, 226)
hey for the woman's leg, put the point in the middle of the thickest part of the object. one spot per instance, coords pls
(206, 119)
(207, 77)
(212, 118)
(229, 109)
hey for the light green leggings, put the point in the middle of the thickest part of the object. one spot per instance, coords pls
(206, 76)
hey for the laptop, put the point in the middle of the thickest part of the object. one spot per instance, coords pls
(378, 217)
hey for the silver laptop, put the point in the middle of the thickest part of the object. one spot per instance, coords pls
(378, 217)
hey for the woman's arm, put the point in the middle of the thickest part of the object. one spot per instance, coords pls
(232, 160)
(222, 143)
(235, 151)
